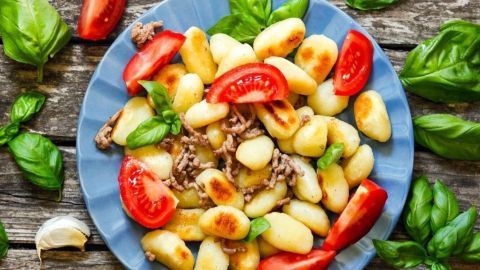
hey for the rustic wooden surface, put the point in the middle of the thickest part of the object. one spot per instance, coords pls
(23, 207)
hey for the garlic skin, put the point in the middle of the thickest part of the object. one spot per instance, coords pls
(61, 231)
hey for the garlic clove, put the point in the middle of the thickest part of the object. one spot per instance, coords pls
(61, 232)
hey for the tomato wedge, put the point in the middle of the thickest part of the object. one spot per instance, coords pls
(354, 64)
(257, 82)
(144, 196)
(157, 53)
(99, 17)
(316, 259)
(358, 218)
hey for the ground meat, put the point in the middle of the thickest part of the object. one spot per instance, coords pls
(195, 136)
(231, 247)
(227, 153)
(283, 201)
(103, 139)
(167, 143)
(150, 256)
(302, 101)
(284, 169)
(142, 33)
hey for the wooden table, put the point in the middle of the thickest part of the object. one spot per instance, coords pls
(23, 207)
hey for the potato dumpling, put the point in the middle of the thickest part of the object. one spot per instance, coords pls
(298, 80)
(279, 39)
(219, 189)
(203, 113)
(286, 145)
(293, 98)
(211, 256)
(215, 135)
(248, 178)
(278, 117)
(237, 56)
(324, 101)
(189, 91)
(342, 132)
(265, 200)
(134, 113)
(266, 250)
(311, 139)
(305, 111)
(196, 55)
(220, 45)
(184, 223)
(168, 249)
(359, 166)
(169, 76)
(311, 215)
(288, 234)
(156, 159)
(226, 222)
(187, 198)
(255, 153)
(317, 55)
(307, 187)
(205, 155)
(334, 187)
(247, 260)
(371, 116)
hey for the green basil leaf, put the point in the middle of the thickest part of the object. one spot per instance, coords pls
(32, 31)
(3, 241)
(239, 26)
(159, 95)
(441, 266)
(257, 9)
(471, 253)
(445, 206)
(257, 227)
(8, 132)
(26, 105)
(416, 215)
(39, 159)
(400, 254)
(332, 154)
(448, 136)
(173, 120)
(290, 9)
(445, 68)
(370, 4)
(151, 131)
(452, 239)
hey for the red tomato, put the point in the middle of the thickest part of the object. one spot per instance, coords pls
(358, 218)
(257, 82)
(99, 17)
(144, 196)
(317, 259)
(354, 64)
(157, 53)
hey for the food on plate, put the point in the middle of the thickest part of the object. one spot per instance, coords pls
(359, 166)
(204, 113)
(225, 221)
(315, 259)
(219, 189)
(189, 91)
(248, 259)
(371, 116)
(334, 188)
(324, 101)
(307, 186)
(99, 18)
(310, 214)
(169, 76)
(211, 255)
(279, 118)
(167, 248)
(221, 45)
(310, 140)
(237, 56)
(298, 80)
(255, 153)
(184, 223)
(342, 132)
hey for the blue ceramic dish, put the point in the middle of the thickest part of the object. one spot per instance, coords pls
(106, 94)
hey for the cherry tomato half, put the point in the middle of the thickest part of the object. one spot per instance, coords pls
(99, 17)
(316, 259)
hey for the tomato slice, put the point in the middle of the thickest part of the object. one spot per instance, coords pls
(144, 196)
(316, 259)
(257, 82)
(157, 53)
(354, 64)
(358, 218)
(99, 17)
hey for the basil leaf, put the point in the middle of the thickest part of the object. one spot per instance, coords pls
(39, 159)
(8, 132)
(332, 154)
(452, 239)
(290, 9)
(257, 227)
(239, 26)
(32, 31)
(26, 105)
(370, 4)
(159, 95)
(445, 206)
(441, 266)
(173, 120)
(400, 254)
(445, 68)
(471, 253)
(257, 9)
(151, 131)
(416, 215)
(448, 136)
(3, 241)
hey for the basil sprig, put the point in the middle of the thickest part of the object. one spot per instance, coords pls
(332, 154)
(3, 241)
(257, 227)
(290, 9)
(8, 132)
(151, 131)
(32, 31)
(445, 206)
(26, 106)
(407, 254)
(471, 253)
(370, 4)
(448, 136)
(417, 210)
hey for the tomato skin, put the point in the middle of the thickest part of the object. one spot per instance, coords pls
(358, 218)
(354, 64)
(157, 53)
(99, 17)
(316, 259)
(139, 185)
(256, 82)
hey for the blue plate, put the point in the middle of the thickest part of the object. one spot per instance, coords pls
(106, 94)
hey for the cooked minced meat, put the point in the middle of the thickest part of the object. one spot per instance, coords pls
(103, 139)
(141, 33)
(284, 169)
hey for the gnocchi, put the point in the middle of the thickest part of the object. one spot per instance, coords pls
(156, 159)
(248, 178)
(334, 187)
(211, 256)
(298, 80)
(324, 101)
(202, 114)
(247, 260)
(307, 187)
(215, 135)
(266, 250)
(278, 117)
(371, 116)
(134, 113)
(206, 155)
(189, 91)
(219, 189)
(255, 153)
(311, 139)
(317, 55)
(342, 132)
(265, 200)
(169, 76)
(167, 248)
(359, 166)
(293, 98)
(184, 223)
(237, 56)
(221, 45)
(226, 222)
(311, 215)
(187, 198)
